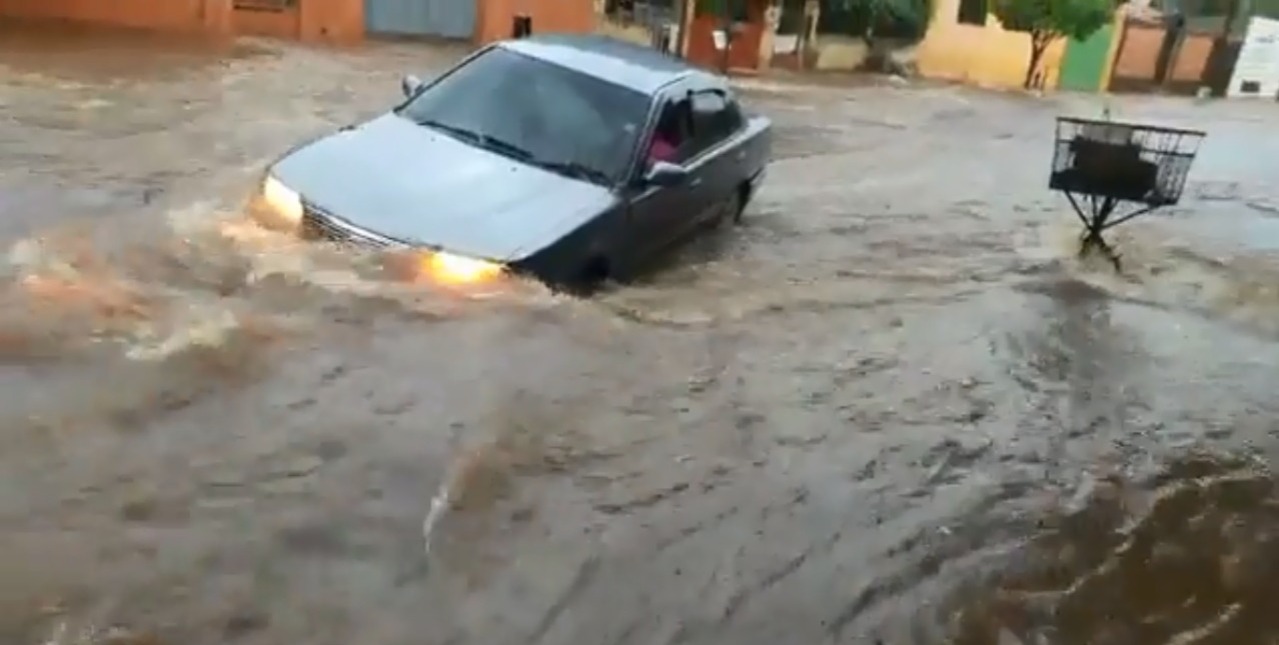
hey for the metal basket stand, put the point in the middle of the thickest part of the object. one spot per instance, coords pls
(1101, 164)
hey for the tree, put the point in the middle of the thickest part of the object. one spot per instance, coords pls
(866, 19)
(1048, 20)
(871, 20)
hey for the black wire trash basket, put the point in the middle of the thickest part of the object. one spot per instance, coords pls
(1100, 164)
(1123, 161)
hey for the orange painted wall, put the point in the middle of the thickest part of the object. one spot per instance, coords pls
(276, 24)
(743, 50)
(1192, 59)
(334, 21)
(984, 55)
(494, 18)
(212, 16)
(1139, 56)
(1137, 62)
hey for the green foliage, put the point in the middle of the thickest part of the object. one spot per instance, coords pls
(907, 19)
(889, 18)
(1050, 19)
(735, 9)
(862, 18)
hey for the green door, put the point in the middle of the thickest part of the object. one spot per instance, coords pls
(1085, 60)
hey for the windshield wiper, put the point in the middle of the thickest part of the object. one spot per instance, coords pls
(457, 131)
(573, 169)
(505, 147)
(482, 140)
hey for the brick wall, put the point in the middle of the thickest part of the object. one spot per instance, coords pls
(493, 19)
(335, 21)
(210, 16)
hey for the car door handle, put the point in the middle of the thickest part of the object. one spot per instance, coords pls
(697, 181)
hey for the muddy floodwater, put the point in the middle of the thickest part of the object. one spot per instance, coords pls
(890, 408)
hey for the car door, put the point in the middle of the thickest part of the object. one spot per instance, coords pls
(675, 212)
(716, 160)
(657, 213)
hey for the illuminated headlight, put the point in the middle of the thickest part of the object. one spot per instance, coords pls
(453, 269)
(284, 203)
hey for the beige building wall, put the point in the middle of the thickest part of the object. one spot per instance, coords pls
(987, 56)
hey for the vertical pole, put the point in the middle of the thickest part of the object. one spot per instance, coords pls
(727, 25)
(1175, 25)
(682, 29)
(810, 31)
(801, 38)
(1119, 52)
(1108, 205)
(1232, 12)
(1092, 238)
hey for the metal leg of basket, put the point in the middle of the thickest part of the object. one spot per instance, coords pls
(1096, 220)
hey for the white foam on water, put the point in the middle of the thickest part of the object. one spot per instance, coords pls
(158, 298)
(203, 327)
(1159, 267)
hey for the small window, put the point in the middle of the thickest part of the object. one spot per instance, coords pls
(673, 136)
(972, 12)
(733, 119)
(715, 118)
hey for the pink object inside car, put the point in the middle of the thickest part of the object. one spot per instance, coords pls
(661, 150)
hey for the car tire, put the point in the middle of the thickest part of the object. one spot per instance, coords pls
(592, 275)
(737, 207)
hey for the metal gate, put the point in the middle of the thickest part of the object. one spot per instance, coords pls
(1138, 61)
(442, 18)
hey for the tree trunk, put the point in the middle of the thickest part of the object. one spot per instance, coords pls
(1038, 45)
(1232, 12)
(868, 37)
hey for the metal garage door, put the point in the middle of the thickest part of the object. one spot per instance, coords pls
(445, 18)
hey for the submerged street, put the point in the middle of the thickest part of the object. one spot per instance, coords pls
(893, 407)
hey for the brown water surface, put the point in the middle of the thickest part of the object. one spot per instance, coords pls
(892, 407)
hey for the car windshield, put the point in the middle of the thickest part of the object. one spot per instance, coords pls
(538, 112)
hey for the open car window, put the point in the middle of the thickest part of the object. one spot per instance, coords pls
(672, 137)
(716, 117)
(537, 112)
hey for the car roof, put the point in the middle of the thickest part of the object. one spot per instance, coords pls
(636, 67)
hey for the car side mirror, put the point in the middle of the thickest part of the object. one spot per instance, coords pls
(665, 174)
(410, 85)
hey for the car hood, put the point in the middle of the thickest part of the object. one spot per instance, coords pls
(414, 184)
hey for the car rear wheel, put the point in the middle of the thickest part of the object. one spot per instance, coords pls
(738, 204)
(592, 275)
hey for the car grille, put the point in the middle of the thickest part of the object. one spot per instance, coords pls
(318, 224)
